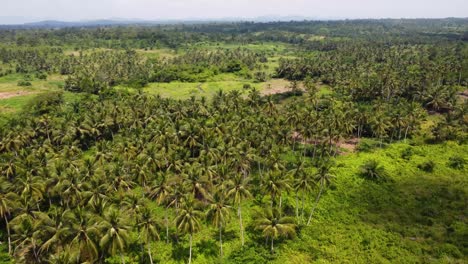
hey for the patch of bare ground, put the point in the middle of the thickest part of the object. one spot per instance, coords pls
(349, 145)
(6, 95)
(277, 86)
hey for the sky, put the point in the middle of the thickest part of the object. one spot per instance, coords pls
(14, 11)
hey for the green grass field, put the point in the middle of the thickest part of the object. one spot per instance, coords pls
(179, 90)
(14, 98)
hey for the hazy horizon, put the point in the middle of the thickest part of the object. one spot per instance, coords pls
(24, 11)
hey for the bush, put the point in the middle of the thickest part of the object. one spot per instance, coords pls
(41, 76)
(427, 166)
(24, 83)
(260, 76)
(407, 153)
(372, 170)
(247, 86)
(367, 145)
(45, 103)
(457, 162)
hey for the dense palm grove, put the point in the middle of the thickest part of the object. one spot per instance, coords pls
(100, 178)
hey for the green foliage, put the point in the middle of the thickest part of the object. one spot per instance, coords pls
(372, 170)
(45, 103)
(457, 162)
(24, 83)
(427, 166)
(368, 145)
(407, 153)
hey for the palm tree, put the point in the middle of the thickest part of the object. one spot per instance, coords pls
(275, 185)
(218, 213)
(323, 177)
(303, 185)
(161, 191)
(188, 221)
(83, 230)
(372, 170)
(237, 190)
(8, 201)
(148, 229)
(274, 226)
(115, 228)
(53, 229)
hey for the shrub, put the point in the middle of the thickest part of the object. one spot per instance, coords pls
(457, 162)
(367, 145)
(247, 86)
(407, 153)
(260, 76)
(372, 170)
(24, 83)
(427, 166)
(41, 76)
(45, 103)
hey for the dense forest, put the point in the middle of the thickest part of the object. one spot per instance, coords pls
(284, 142)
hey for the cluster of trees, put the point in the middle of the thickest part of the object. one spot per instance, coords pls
(199, 65)
(430, 74)
(297, 33)
(81, 181)
(102, 177)
(97, 71)
(30, 59)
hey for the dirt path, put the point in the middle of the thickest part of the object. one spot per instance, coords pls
(6, 95)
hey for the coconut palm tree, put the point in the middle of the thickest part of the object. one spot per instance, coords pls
(302, 184)
(115, 229)
(274, 226)
(275, 185)
(8, 201)
(161, 192)
(323, 177)
(238, 192)
(148, 227)
(372, 170)
(188, 221)
(84, 230)
(218, 214)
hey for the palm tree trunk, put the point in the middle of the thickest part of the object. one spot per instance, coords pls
(122, 258)
(190, 254)
(272, 249)
(302, 209)
(239, 212)
(406, 132)
(316, 202)
(167, 225)
(149, 254)
(8, 233)
(281, 202)
(297, 206)
(315, 146)
(221, 240)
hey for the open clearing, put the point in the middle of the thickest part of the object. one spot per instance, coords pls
(6, 95)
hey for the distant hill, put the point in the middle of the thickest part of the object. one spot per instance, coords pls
(116, 22)
(140, 22)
